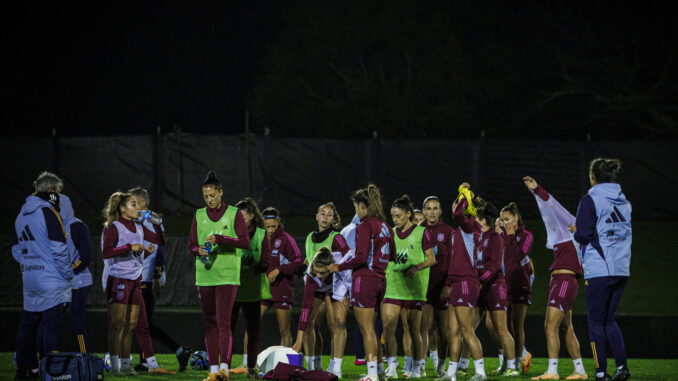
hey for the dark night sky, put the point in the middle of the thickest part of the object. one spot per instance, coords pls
(127, 70)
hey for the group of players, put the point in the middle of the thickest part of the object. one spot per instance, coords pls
(439, 280)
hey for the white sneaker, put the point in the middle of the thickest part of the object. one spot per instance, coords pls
(391, 373)
(406, 373)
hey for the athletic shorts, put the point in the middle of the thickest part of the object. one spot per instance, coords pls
(520, 298)
(433, 295)
(406, 304)
(563, 291)
(276, 305)
(493, 297)
(464, 292)
(322, 295)
(367, 291)
(123, 291)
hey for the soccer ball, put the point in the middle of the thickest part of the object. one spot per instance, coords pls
(199, 360)
(107, 362)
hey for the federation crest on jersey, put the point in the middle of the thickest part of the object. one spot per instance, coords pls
(277, 243)
(441, 237)
(485, 243)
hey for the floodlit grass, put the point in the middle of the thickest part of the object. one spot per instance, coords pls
(641, 369)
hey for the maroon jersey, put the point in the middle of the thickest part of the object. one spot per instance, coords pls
(311, 286)
(374, 246)
(517, 249)
(441, 233)
(462, 255)
(489, 253)
(242, 241)
(281, 252)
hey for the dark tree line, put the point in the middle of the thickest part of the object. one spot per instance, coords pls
(466, 69)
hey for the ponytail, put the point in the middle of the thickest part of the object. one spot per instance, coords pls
(405, 203)
(489, 212)
(371, 197)
(512, 208)
(322, 258)
(251, 207)
(111, 211)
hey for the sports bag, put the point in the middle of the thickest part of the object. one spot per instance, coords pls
(71, 366)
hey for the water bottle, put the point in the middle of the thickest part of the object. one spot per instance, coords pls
(152, 217)
(207, 259)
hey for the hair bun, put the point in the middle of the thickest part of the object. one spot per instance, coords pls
(211, 179)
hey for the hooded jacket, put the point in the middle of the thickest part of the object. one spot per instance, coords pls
(604, 229)
(43, 255)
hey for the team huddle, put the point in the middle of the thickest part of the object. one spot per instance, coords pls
(440, 281)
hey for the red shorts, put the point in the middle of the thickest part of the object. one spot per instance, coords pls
(367, 291)
(123, 291)
(493, 297)
(563, 291)
(433, 295)
(406, 304)
(276, 305)
(322, 295)
(520, 298)
(464, 292)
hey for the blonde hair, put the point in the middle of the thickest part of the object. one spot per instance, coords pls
(371, 197)
(336, 219)
(111, 211)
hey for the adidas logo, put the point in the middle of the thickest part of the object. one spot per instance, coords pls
(460, 301)
(553, 301)
(615, 216)
(26, 235)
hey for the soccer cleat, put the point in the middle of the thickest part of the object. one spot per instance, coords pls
(511, 373)
(501, 369)
(622, 374)
(406, 373)
(211, 377)
(416, 375)
(391, 374)
(422, 373)
(128, 372)
(478, 377)
(606, 377)
(107, 362)
(577, 376)
(525, 363)
(161, 370)
(116, 373)
(440, 370)
(242, 369)
(547, 376)
(447, 378)
(369, 378)
(139, 368)
(223, 375)
(183, 358)
(462, 372)
(252, 374)
(360, 361)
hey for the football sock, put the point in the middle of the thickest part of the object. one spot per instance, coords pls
(578, 366)
(553, 366)
(480, 367)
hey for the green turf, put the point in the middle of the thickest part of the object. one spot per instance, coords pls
(641, 369)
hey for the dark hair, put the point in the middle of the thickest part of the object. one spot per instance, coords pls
(489, 212)
(322, 258)
(139, 191)
(405, 203)
(211, 180)
(605, 170)
(430, 198)
(512, 208)
(336, 221)
(371, 197)
(271, 212)
(251, 207)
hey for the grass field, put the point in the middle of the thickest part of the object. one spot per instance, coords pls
(641, 369)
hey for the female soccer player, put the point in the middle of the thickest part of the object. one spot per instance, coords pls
(253, 285)
(281, 256)
(462, 286)
(217, 231)
(435, 309)
(565, 270)
(418, 217)
(518, 266)
(317, 286)
(374, 245)
(489, 257)
(406, 284)
(122, 246)
(326, 235)
(603, 227)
